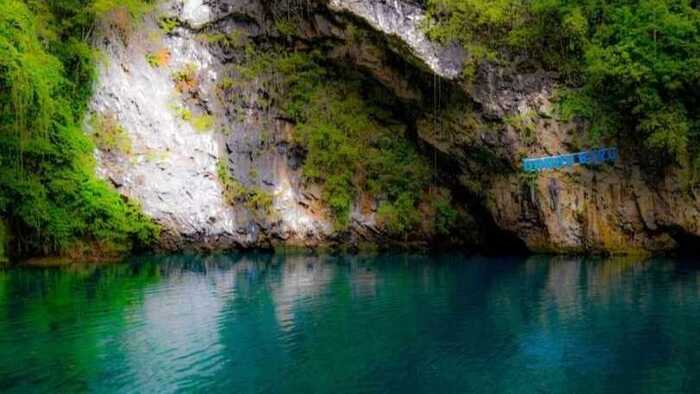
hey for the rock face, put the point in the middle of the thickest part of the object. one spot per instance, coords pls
(172, 169)
(182, 132)
(163, 86)
(403, 20)
(608, 210)
(605, 209)
(508, 116)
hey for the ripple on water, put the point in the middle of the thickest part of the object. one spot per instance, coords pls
(260, 323)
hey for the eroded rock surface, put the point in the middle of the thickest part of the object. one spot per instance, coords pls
(509, 115)
(478, 133)
(404, 20)
(615, 208)
(164, 89)
(172, 170)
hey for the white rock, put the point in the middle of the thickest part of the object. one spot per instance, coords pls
(404, 20)
(195, 13)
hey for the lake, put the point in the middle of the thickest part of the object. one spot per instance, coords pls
(259, 323)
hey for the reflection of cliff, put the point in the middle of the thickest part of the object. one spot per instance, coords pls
(564, 286)
(601, 276)
(588, 316)
(574, 282)
(300, 284)
(260, 322)
(179, 318)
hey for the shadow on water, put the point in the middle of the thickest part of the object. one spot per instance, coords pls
(259, 322)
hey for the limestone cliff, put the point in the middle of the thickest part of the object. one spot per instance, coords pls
(164, 88)
(477, 132)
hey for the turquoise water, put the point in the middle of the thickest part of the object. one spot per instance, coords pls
(257, 323)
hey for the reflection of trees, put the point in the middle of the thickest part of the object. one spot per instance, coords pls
(258, 322)
(358, 321)
(72, 325)
(56, 324)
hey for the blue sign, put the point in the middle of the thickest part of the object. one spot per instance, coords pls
(592, 157)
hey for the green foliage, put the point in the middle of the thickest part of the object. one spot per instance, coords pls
(121, 16)
(202, 123)
(399, 216)
(158, 58)
(550, 30)
(524, 124)
(634, 64)
(256, 199)
(226, 83)
(233, 190)
(185, 79)
(48, 191)
(351, 146)
(182, 112)
(109, 135)
(349, 151)
(259, 201)
(167, 25)
(446, 216)
(136, 8)
(286, 27)
(237, 38)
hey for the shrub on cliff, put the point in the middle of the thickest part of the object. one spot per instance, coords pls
(351, 145)
(48, 191)
(634, 65)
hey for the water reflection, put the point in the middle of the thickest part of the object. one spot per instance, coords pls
(273, 323)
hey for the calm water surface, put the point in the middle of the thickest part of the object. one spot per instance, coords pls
(256, 323)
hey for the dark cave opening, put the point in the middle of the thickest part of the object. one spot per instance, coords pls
(688, 245)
